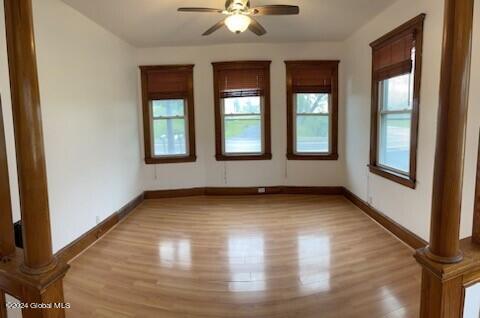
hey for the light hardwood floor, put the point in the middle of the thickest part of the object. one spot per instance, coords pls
(248, 256)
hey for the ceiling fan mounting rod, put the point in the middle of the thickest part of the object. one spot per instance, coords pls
(237, 6)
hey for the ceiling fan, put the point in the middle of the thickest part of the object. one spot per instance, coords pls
(240, 15)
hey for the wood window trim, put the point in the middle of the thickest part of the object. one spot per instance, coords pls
(476, 207)
(242, 65)
(190, 106)
(333, 154)
(414, 26)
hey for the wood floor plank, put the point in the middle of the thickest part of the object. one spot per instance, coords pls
(279, 256)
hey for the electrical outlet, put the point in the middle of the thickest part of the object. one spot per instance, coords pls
(97, 219)
(262, 190)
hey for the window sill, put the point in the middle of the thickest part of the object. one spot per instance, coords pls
(331, 157)
(154, 161)
(267, 156)
(392, 176)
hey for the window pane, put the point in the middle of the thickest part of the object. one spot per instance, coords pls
(312, 134)
(242, 105)
(395, 141)
(168, 107)
(312, 103)
(243, 134)
(397, 93)
(169, 137)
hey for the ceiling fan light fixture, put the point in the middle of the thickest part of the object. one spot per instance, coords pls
(240, 16)
(238, 23)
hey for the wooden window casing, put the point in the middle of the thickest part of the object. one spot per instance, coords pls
(476, 206)
(397, 53)
(312, 77)
(242, 79)
(164, 82)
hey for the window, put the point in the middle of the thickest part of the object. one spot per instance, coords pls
(312, 123)
(395, 118)
(168, 113)
(312, 110)
(395, 102)
(169, 128)
(242, 125)
(242, 110)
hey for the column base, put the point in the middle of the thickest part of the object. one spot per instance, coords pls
(42, 291)
(443, 260)
(441, 299)
(443, 284)
(41, 270)
(48, 303)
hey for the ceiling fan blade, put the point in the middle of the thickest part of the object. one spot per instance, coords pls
(203, 10)
(276, 10)
(214, 28)
(256, 27)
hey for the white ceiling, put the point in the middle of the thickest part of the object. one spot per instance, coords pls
(150, 23)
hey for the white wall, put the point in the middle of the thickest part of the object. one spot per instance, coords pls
(410, 208)
(89, 104)
(12, 312)
(472, 132)
(472, 296)
(207, 171)
(7, 117)
(89, 110)
(472, 302)
(90, 119)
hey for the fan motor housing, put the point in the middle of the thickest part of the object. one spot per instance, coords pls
(230, 4)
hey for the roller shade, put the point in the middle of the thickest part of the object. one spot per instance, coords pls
(237, 80)
(312, 78)
(168, 81)
(394, 57)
